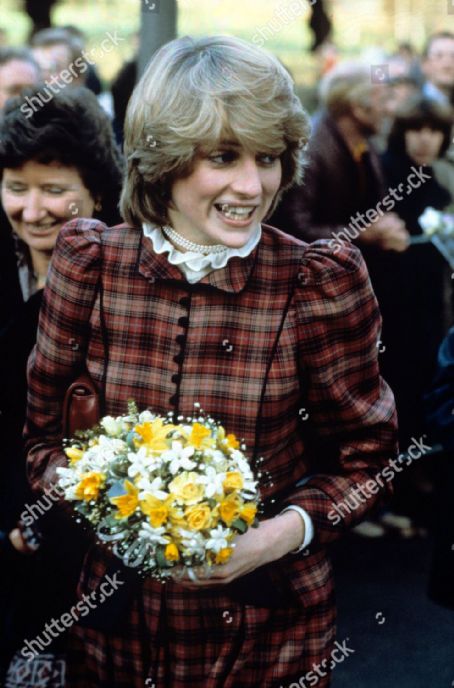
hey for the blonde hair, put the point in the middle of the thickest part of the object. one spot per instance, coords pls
(348, 84)
(195, 94)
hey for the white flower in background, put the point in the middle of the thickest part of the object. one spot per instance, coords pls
(153, 535)
(179, 458)
(218, 539)
(146, 417)
(113, 426)
(151, 487)
(142, 463)
(430, 221)
(212, 481)
(194, 542)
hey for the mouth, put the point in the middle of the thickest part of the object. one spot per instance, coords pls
(43, 229)
(235, 212)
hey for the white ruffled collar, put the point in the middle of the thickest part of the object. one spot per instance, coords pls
(195, 265)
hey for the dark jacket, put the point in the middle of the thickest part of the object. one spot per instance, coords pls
(334, 188)
(10, 292)
(34, 587)
(440, 403)
(415, 301)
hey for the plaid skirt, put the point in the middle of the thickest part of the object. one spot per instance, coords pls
(172, 637)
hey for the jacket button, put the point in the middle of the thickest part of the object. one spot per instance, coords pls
(185, 301)
(183, 322)
(227, 346)
(173, 400)
(178, 358)
(152, 280)
(176, 378)
(180, 338)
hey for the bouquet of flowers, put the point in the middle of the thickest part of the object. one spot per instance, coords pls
(160, 494)
(437, 222)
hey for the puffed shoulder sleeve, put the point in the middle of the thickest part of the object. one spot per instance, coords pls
(59, 353)
(351, 408)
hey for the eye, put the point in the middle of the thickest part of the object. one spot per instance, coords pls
(267, 159)
(15, 187)
(54, 190)
(223, 157)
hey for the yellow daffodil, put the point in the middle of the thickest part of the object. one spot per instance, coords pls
(223, 555)
(248, 513)
(74, 454)
(229, 509)
(232, 441)
(233, 481)
(128, 503)
(156, 510)
(185, 488)
(89, 486)
(198, 516)
(171, 552)
(153, 434)
(200, 437)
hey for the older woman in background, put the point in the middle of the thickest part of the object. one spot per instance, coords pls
(202, 302)
(57, 164)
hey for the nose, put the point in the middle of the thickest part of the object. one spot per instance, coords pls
(33, 210)
(247, 180)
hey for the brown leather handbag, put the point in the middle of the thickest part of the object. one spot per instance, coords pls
(81, 406)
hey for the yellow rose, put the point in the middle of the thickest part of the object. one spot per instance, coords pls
(171, 552)
(185, 489)
(128, 503)
(229, 509)
(156, 510)
(248, 513)
(74, 454)
(89, 486)
(233, 481)
(198, 516)
(223, 555)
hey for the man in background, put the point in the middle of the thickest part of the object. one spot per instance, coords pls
(438, 68)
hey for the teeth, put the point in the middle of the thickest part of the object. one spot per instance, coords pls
(236, 212)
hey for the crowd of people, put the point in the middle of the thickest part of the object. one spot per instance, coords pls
(379, 154)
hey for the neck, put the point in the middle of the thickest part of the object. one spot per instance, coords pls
(350, 132)
(40, 264)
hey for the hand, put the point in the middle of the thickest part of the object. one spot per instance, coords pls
(19, 543)
(273, 539)
(388, 232)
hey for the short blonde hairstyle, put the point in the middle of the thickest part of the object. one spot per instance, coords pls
(195, 94)
(348, 84)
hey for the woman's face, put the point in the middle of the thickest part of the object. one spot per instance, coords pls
(227, 194)
(38, 199)
(423, 145)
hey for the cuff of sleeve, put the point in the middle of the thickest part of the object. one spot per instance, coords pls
(308, 527)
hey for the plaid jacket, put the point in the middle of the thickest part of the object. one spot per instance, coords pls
(280, 345)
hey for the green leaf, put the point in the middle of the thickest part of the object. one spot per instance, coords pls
(240, 525)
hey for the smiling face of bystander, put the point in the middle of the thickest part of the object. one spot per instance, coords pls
(38, 199)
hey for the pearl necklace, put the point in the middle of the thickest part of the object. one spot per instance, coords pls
(204, 249)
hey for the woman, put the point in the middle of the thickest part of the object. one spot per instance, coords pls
(415, 295)
(203, 303)
(56, 164)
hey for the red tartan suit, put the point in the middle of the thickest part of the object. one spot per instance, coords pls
(282, 347)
